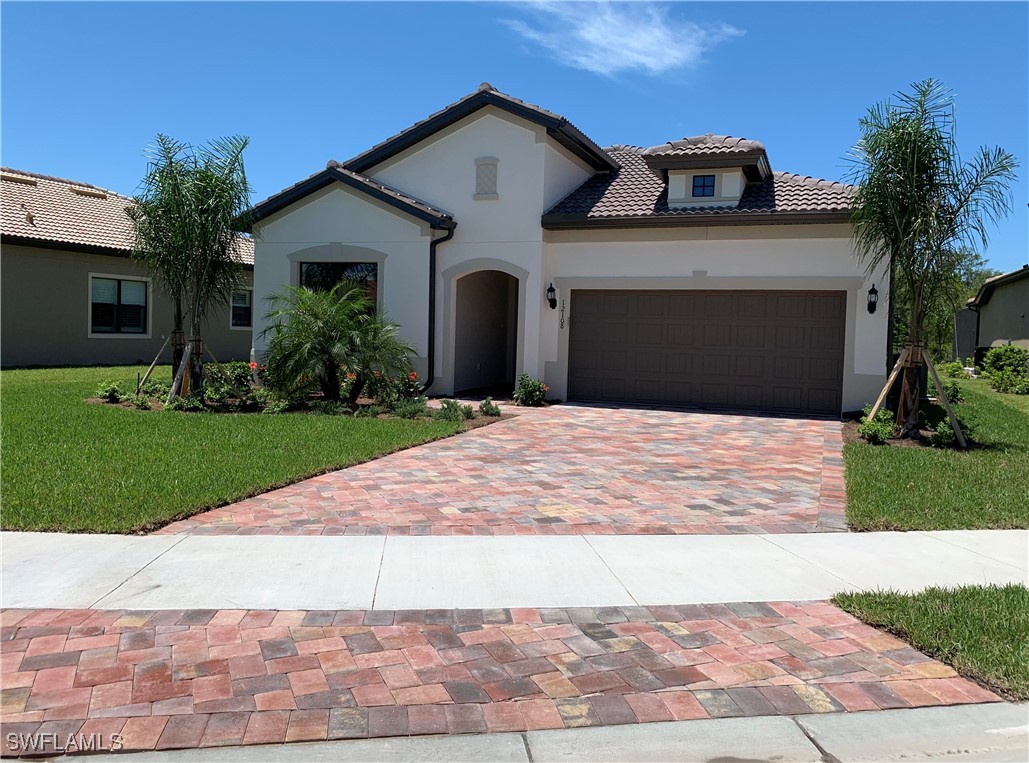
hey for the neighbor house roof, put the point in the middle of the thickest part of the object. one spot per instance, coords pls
(637, 195)
(992, 284)
(336, 172)
(41, 210)
(559, 128)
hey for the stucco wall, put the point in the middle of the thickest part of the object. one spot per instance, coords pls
(808, 257)
(44, 313)
(338, 224)
(1005, 318)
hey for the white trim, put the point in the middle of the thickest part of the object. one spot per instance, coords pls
(115, 335)
(243, 328)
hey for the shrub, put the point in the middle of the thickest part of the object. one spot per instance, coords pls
(1010, 357)
(109, 392)
(488, 408)
(389, 391)
(369, 411)
(274, 406)
(952, 390)
(942, 434)
(530, 392)
(451, 410)
(329, 407)
(952, 370)
(1009, 382)
(229, 380)
(879, 429)
(140, 402)
(154, 388)
(411, 409)
(190, 403)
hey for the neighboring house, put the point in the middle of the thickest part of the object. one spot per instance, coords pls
(996, 316)
(71, 295)
(503, 240)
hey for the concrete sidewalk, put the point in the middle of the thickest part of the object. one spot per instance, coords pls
(45, 570)
(998, 732)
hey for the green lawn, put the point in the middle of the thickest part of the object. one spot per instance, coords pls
(980, 631)
(913, 488)
(83, 467)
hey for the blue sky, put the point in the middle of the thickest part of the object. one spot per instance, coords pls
(86, 86)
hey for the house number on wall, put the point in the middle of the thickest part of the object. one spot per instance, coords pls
(562, 321)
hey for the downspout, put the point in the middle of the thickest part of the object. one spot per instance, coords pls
(430, 373)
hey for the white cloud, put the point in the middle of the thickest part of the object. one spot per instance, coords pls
(613, 38)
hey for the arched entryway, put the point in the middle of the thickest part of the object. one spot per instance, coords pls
(486, 336)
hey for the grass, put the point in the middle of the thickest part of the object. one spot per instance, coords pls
(980, 631)
(74, 466)
(914, 488)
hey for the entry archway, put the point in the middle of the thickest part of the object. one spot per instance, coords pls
(486, 332)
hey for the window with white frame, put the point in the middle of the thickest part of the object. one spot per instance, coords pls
(486, 175)
(117, 305)
(242, 309)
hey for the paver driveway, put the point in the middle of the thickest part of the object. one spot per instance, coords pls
(572, 470)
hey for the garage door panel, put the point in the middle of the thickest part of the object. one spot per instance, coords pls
(761, 350)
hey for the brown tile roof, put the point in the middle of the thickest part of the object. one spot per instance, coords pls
(706, 145)
(635, 192)
(70, 214)
(485, 95)
(334, 171)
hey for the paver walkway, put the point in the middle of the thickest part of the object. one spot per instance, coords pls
(180, 679)
(572, 470)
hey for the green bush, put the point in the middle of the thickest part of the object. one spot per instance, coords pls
(451, 410)
(369, 411)
(879, 429)
(390, 391)
(329, 407)
(229, 380)
(1009, 382)
(1010, 357)
(275, 405)
(942, 434)
(154, 388)
(953, 370)
(952, 390)
(411, 409)
(190, 404)
(488, 408)
(530, 392)
(109, 392)
(140, 402)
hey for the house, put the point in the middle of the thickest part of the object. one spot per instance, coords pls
(71, 295)
(503, 240)
(994, 317)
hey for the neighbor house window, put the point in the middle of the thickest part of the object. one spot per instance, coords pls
(117, 305)
(242, 309)
(322, 276)
(703, 185)
(486, 177)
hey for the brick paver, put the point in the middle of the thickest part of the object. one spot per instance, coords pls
(572, 470)
(184, 679)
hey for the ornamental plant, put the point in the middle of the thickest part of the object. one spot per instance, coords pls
(530, 392)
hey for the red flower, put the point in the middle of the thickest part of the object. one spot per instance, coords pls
(253, 365)
(413, 376)
(351, 377)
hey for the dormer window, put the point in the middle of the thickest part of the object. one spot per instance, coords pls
(703, 185)
(486, 178)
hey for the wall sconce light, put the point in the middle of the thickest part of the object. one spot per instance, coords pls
(552, 297)
(873, 298)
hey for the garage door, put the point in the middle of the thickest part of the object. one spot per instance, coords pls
(754, 350)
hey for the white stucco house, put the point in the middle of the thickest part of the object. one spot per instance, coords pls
(503, 240)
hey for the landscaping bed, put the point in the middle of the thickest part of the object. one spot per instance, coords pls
(905, 486)
(980, 631)
(77, 467)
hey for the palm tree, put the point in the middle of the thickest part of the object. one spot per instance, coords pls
(187, 221)
(318, 336)
(918, 203)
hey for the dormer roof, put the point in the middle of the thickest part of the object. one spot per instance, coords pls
(711, 151)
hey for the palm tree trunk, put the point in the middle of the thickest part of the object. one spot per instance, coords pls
(330, 382)
(178, 337)
(913, 371)
(196, 359)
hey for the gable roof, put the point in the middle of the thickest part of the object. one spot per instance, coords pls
(42, 210)
(991, 285)
(336, 172)
(559, 128)
(709, 152)
(637, 195)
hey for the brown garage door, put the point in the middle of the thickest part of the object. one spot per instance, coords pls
(756, 350)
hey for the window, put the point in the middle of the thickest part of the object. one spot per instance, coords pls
(322, 276)
(117, 305)
(703, 185)
(242, 309)
(486, 177)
